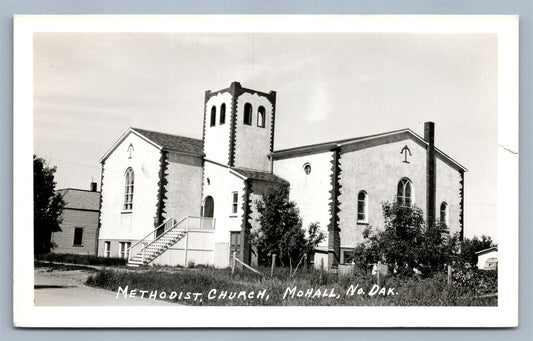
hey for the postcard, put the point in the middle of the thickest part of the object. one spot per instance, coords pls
(265, 171)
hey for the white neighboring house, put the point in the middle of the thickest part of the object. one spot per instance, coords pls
(487, 259)
(176, 200)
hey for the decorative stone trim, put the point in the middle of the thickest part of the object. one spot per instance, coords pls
(162, 191)
(245, 223)
(334, 242)
(461, 204)
(272, 99)
(99, 210)
(235, 90)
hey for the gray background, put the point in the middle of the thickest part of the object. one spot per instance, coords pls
(524, 8)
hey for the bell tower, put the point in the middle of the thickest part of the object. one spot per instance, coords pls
(239, 127)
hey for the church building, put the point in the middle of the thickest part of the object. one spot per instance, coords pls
(174, 200)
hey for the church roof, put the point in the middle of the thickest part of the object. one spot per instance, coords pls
(173, 142)
(80, 199)
(322, 147)
(163, 141)
(259, 175)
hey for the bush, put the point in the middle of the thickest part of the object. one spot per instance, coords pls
(80, 259)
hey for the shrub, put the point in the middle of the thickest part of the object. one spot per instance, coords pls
(80, 259)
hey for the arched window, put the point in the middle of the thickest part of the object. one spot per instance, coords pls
(362, 206)
(223, 113)
(444, 213)
(213, 116)
(261, 117)
(405, 192)
(209, 207)
(248, 114)
(307, 168)
(128, 189)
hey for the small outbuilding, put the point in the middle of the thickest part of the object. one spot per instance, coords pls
(79, 227)
(487, 259)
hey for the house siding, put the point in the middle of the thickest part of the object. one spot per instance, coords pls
(64, 240)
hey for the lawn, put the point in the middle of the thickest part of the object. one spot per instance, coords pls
(208, 286)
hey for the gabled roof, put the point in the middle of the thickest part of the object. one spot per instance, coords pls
(187, 145)
(494, 248)
(259, 175)
(173, 142)
(80, 199)
(326, 146)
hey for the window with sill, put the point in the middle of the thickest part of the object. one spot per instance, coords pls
(261, 117)
(405, 194)
(128, 190)
(444, 213)
(362, 207)
(235, 200)
(107, 249)
(247, 114)
(124, 249)
(213, 116)
(222, 113)
(78, 236)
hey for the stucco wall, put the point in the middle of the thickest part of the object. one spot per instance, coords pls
(118, 224)
(221, 185)
(376, 167)
(252, 143)
(217, 138)
(448, 190)
(195, 248)
(310, 192)
(184, 186)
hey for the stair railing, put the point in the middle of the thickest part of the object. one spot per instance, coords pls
(174, 226)
(143, 242)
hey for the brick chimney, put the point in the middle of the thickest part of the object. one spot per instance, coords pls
(431, 172)
(93, 186)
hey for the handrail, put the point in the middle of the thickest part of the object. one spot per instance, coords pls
(148, 235)
(164, 233)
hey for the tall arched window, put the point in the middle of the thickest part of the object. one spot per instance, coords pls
(128, 189)
(405, 192)
(248, 114)
(362, 207)
(213, 116)
(261, 117)
(444, 213)
(223, 113)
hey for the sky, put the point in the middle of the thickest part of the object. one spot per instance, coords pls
(90, 87)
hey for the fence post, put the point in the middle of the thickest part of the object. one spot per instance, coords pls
(378, 271)
(449, 274)
(233, 264)
(273, 265)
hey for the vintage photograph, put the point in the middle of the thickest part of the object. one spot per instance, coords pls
(262, 167)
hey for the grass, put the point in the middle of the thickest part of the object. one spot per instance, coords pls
(465, 291)
(80, 259)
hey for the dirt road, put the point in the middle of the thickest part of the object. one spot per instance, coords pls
(67, 288)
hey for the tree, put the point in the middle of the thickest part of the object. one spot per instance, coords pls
(405, 243)
(281, 230)
(469, 247)
(47, 206)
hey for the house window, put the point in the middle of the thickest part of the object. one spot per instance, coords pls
(128, 190)
(405, 192)
(78, 236)
(248, 114)
(261, 117)
(444, 213)
(307, 168)
(213, 116)
(362, 207)
(124, 249)
(235, 202)
(107, 249)
(223, 113)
